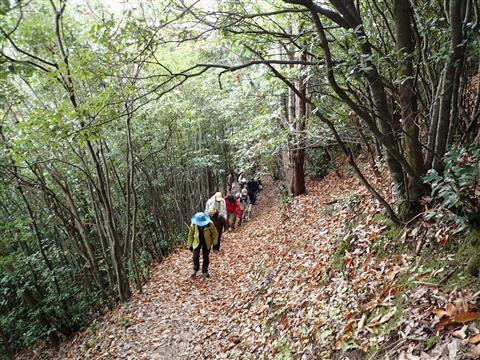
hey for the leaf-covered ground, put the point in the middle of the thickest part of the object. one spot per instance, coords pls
(326, 277)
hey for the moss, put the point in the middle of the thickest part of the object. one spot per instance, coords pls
(283, 350)
(431, 342)
(345, 245)
(399, 303)
(388, 242)
(473, 266)
(471, 249)
(407, 210)
(94, 326)
(387, 328)
(460, 259)
(284, 198)
(406, 281)
(351, 200)
(473, 237)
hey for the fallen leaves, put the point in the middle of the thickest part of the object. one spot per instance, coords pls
(474, 339)
(274, 293)
(382, 319)
(457, 319)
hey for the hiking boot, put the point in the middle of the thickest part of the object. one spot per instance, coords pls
(193, 274)
(206, 275)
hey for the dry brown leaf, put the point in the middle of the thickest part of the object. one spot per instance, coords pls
(474, 339)
(391, 274)
(440, 312)
(382, 319)
(457, 319)
(349, 326)
(474, 351)
(361, 323)
(466, 317)
(450, 309)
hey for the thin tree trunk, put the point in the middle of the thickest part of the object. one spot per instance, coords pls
(432, 131)
(449, 81)
(408, 100)
(299, 152)
(395, 160)
(132, 203)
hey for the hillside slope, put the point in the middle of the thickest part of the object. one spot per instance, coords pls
(317, 278)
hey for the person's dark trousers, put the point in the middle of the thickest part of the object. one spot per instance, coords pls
(205, 255)
(253, 197)
(217, 247)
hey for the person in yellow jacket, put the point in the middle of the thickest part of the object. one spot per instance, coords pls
(201, 236)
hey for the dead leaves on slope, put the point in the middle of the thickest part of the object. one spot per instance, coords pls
(274, 293)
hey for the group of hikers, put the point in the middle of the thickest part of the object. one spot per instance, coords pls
(221, 213)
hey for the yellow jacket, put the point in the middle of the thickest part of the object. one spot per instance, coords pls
(210, 233)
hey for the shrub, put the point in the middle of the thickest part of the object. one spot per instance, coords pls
(458, 187)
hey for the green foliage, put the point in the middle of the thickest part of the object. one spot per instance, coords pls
(183, 147)
(104, 144)
(457, 188)
(284, 199)
(283, 351)
(318, 163)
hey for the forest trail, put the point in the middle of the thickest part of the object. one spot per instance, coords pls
(278, 290)
(177, 317)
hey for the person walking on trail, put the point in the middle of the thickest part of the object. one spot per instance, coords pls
(245, 207)
(201, 236)
(260, 185)
(220, 224)
(242, 180)
(252, 188)
(218, 203)
(233, 211)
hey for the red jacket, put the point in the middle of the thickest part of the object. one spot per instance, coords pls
(233, 206)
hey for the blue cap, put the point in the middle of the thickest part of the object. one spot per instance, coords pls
(200, 219)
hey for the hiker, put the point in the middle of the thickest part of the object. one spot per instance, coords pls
(252, 188)
(260, 185)
(201, 236)
(242, 180)
(233, 211)
(220, 224)
(245, 207)
(218, 203)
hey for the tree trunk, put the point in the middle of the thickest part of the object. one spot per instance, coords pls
(382, 127)
(449, 83)
(299, 152)
(432, 131)
(408, 101)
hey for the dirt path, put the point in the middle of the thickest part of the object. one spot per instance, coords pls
(279, 290)
(176, 316)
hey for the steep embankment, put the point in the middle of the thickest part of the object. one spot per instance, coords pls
(318, 279)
